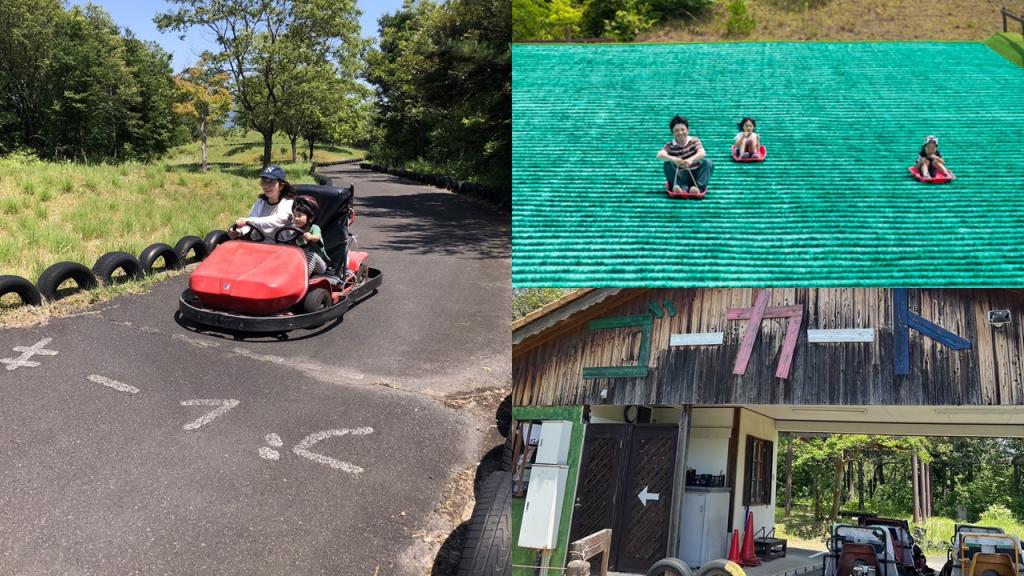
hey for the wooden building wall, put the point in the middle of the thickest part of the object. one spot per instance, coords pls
(551, 373)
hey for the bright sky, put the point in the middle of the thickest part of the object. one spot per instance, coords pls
(137, 15)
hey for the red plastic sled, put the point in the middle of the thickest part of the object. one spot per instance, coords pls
(684, 195)
(934, 179)
(761, 153)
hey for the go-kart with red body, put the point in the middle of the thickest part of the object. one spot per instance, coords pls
(249, 285)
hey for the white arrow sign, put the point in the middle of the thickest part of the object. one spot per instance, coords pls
(646, 496)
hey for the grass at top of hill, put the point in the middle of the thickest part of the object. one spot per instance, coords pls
(53, 212)
(1009, 46)
(246, 149)
(846, 20)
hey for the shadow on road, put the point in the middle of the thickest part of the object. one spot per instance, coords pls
(430, 223)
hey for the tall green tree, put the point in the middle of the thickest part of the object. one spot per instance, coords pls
(443, 76)
(152, 125)
(73, 86)
(89, 115)
(205, 97)
(25, 46)
(265, 47)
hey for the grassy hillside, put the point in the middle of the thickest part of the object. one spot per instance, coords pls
(1009, 46)
(52, 212)
(848, 20)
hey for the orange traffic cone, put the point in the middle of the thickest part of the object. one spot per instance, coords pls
(747, 555)
(734, 547)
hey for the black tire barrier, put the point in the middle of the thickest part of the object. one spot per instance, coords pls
(497, 197)
(155, 252)
(191, 244)
(316, 300)
(51, 279)
(507, 452)
(111, 262)
(25, 289)
(488, 547)
(503, 416)
(215, 238)
(673, 566)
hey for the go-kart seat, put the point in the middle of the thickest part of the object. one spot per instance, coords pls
(332, 218)
(985, 564)
(857, 555)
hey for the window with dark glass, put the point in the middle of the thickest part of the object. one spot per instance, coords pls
(758, 477)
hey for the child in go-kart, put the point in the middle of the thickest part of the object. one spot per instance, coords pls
(304, 209)
(272, 209)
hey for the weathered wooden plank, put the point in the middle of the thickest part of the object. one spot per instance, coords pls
(698, 339)
(789, 346)
(938, 333)
(770, 312)
(750, 336)
(841, 335)
(900, 331)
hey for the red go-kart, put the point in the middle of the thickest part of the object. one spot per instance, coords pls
(248, 285)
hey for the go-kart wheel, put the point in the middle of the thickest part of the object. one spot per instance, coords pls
(193, 245)
(51, 278)
(215, 238)
(294, 231)
(111, 262)
(362, 273)
(316, 300)
(26, 290)
(155, 252)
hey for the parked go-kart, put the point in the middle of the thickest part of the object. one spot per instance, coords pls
(860, 551)
(248, 285)
(983, 551)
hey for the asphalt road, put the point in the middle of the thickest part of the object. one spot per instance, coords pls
(144, 447)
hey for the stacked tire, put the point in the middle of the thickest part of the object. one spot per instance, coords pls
(488, 547)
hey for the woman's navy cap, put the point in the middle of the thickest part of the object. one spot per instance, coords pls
(274, 173)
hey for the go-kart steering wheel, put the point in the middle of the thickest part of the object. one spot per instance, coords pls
(253, 235)
(295, 230)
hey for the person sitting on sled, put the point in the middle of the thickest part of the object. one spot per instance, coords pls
(687, 167)
(929, 160)
(748, 141)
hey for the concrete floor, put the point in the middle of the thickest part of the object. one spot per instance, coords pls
(797, 562)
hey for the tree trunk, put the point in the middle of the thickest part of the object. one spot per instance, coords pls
(928, 490)
(860, 485)
(310, 150)
(268, 147)
(789, 476)
(293, 140)
(917, 494)
(817, 503)
(202, 137)
(850, 484)
(837, 487)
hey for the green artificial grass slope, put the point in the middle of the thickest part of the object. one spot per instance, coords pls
(832, 205)
(1009, 46)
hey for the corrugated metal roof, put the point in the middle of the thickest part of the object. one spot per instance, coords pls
(833, 205)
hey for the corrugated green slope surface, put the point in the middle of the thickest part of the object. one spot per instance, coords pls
(833, 205)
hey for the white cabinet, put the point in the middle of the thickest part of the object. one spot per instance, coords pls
(543, 509)
(703, 533)
(554, 442)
